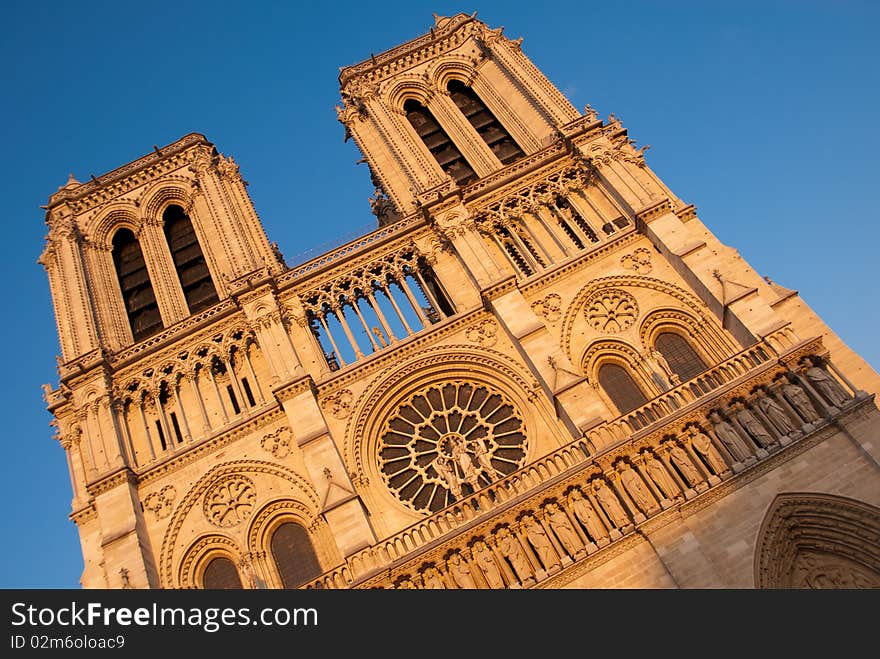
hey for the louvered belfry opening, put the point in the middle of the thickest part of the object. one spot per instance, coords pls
(484, 122)
(189, 261)
(134, 282)
(438, 143)
(221, 574)
(621, 388)
(294, 555)
(680, 355)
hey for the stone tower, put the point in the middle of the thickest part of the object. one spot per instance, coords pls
(540, 370)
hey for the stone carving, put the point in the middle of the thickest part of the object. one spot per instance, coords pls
(639, 260)
(730, 438)
(825, 384)
(549, 307)
(277, 442)
(483, 333)
(586, 515)
(460, 571)
(431, 579)
(658, 473)
(657, 363)
(539, 540)
(704, 447)
(816, 570)
(513, 552)
(611, 310)
(776, 414)
(443, 440)
(636, 488)
(754, 427)
(610, 504)
(160, 503)
(230, 501)
(679, 457)
(799, 401)
(561, 526)
(485, 560)
(339, 403)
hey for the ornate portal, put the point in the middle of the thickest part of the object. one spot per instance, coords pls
(448, 441)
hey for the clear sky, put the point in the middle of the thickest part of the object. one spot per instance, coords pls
(762, 114)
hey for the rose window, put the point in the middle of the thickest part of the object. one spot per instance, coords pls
(611, 310)
(449, 441)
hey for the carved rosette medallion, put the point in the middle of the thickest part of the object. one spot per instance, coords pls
(639, 260)
(611, 310)
(448, 441)
(230, 501)
(160, 503)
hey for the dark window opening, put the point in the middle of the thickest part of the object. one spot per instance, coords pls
(221, 575)
(189, 261)
(294, 555)
(161, 436)
(441, 147)
(137, 290)
(176, 426)
(247, 392)
(233, 399)
(621, 388)
(484, 122)
(680, 355)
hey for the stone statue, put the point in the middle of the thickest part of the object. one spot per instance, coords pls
(460, 571)
(431, 579)
(774, 411)
(406, 584)
(703, 445)
(681, 459)
(658, 357)
(825, 384)
(586, 515)
(610, 504)
(754, 427)
(465, 462)
(512, 551)
(558, 521)
(481, 452)
(658, 473)
(636, 489)
(730, 438)
(485, 560)
(447, 473)
(799, 401)
(539, 540)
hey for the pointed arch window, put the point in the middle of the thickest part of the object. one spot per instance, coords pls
(680, 355)
(221, 574)
(438, 142)
(621, 388)
(189, 261)
(134, 282)
(294, 555)
(484, 122)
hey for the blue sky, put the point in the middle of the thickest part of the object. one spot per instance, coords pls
(762, 114)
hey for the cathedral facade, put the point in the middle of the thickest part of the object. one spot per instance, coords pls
(540, 370)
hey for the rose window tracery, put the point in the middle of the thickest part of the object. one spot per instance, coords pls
(448, 441)
(611, 310)
(230, 501)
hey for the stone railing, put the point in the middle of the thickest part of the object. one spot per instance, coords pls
(704, 440)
